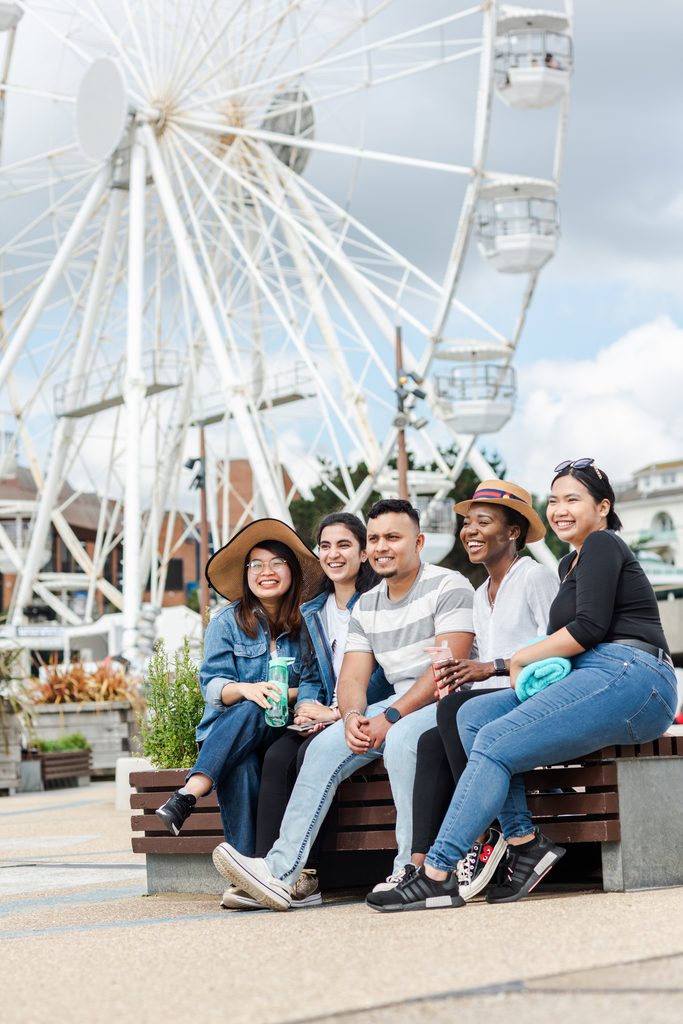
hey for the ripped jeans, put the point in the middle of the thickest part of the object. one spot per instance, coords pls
(328, 762)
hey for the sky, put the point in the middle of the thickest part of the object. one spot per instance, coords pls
(601, 361)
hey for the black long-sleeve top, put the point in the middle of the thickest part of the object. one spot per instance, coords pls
(606, 596)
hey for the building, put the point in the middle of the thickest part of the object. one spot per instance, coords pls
(650, 506)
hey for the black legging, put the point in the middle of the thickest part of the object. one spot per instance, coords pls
(441, 760)
(281, 766)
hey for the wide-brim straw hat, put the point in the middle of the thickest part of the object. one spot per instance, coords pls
(225, 568)
(503, 492)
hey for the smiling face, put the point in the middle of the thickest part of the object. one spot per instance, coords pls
(573, 512)
(394, 545)
(269, 584)
(340, 554)
(486, 535)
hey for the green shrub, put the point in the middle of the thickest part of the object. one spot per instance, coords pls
(175, 706)
(72, 741)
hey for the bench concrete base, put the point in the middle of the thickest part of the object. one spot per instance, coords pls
(185, 872)
(649, 852)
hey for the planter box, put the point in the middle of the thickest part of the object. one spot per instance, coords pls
(10, 753)
(110, 727)
(65, 767)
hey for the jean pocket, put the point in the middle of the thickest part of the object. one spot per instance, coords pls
(651, 721)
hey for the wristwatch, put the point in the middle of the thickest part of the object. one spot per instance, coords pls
(392, 715)
(499, 668)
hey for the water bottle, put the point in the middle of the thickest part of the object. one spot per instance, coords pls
(278, 673)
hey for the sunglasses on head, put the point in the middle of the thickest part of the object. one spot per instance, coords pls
(578, 464)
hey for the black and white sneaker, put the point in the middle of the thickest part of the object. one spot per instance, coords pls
(478, 866)
(523, 868)
(417, 892)
(175, 812)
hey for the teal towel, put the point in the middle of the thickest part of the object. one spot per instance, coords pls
(539, 674)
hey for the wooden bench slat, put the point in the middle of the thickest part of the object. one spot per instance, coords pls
(582, 831)
(149, 823)
(176, 844)
(568, 778)
(364, 791)
(552, 804)
(370, 815)
(379, 840)
(151, 799)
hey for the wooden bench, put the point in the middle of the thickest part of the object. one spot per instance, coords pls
(619, 797)
(65, 767)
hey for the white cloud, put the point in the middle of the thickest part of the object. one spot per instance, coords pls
(622, 407)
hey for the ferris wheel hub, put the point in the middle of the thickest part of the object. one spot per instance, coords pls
(101, 109)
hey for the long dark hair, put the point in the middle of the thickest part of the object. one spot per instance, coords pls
(250, 610)
(367, 577)
(598, 486)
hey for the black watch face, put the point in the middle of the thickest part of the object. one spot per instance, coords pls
(392, 715)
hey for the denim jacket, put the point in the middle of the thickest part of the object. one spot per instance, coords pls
(230, 656)
(317, 670)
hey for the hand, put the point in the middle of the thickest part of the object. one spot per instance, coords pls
(453, 673)
(377, 729)
(355, 731)
(261, 693)
(312, 712)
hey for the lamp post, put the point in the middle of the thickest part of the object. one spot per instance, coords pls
(406, 386)
(199, 483)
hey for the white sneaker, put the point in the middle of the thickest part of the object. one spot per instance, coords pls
(393, 880)
(237, 899)
(479, 864)
(251, 875)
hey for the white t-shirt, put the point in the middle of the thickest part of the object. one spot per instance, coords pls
(518, 616)
(337, 628)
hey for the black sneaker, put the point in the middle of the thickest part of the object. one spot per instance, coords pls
(523, 868)
(175, 812)
(417, 892)
(478, 866)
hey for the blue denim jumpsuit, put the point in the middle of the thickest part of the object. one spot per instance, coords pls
(233, 737)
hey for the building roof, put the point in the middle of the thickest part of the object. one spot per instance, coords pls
(655, 467)
(82, 512)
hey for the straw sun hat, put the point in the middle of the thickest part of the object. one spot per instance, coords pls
(502, 492)
(225, 568)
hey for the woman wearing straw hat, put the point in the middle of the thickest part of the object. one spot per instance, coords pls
(510, 609)
(265, 571)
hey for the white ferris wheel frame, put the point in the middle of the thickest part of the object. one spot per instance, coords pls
(315, 253)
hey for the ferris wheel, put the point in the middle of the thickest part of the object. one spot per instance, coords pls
(217, 212)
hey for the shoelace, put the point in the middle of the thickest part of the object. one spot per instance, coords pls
(467, 865)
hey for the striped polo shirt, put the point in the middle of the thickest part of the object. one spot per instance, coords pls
(397, 632)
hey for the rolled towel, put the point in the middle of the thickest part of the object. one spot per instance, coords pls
(539, 674)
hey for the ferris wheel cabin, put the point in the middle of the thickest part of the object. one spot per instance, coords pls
(533, 57)
(518, 224)
(478, 396)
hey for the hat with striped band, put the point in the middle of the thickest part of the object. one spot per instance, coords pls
(509, 495)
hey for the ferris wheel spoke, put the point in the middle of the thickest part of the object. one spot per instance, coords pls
(281, 316)
(114, 38)
(350, 397)
(221, 128)
(338, 58)
(320, 271)
(29, 10)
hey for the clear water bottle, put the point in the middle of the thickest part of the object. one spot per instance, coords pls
(278, 673)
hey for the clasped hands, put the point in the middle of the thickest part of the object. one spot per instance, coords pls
(363, 734)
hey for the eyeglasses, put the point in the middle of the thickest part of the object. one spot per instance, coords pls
(578, 464)
(256, 565)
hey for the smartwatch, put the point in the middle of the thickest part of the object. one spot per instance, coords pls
(499, 668)
(392, 715)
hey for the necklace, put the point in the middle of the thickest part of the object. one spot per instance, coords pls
(492, 600)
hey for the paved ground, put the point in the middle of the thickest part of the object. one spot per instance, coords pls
(80, 942)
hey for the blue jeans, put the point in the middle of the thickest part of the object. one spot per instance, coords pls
(229, 756)
(614, 694)
(328, 762)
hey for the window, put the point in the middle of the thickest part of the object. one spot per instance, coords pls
(175, 577)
